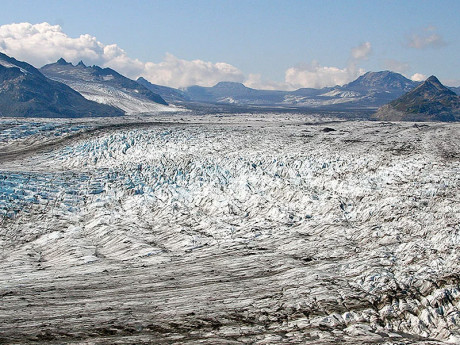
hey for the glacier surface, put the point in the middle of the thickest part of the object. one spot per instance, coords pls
(262, 229)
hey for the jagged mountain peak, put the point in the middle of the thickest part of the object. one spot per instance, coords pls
(62, 61)
(431, 87)
(105, 85)
(64, 66)
(433, 79)
(434, 85)
(430, 101)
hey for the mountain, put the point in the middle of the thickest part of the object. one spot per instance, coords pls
(431, 101)
(25, 92)
(372, 89)
(384, 81)
(169, 94)
(104, 85)
(233, 93)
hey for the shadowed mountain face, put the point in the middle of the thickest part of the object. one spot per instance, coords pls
(25, 92)
(372, 89)
(168, 93)
(104, 85)
(431, 101)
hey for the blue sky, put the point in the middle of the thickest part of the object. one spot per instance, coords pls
(266, 44)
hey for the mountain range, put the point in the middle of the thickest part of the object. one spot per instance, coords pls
(25, 92)
(430, 101)
(370, 90)
(62, 89)
(105, 85)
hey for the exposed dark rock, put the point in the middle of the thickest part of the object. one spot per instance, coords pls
(81, 76)
(168, 93)
(431, 101)
(25, 92)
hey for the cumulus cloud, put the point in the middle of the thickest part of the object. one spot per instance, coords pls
(256, 81)
(418, 77)
(316, 76)
(43, 43)
(429, 38)
(176, 72)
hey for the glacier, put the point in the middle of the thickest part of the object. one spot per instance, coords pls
(230, 229)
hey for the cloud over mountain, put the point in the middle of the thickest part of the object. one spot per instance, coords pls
(176, 72)
(316, 76)
(43, 43)
(418, 77)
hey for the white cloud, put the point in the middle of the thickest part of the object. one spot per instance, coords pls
(316, 76)
(429, 38)
(43, 43)
(176, 72)
(256, 81)
(418, 77)
(362, 51)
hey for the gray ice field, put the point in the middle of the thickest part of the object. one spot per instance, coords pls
(236, 229)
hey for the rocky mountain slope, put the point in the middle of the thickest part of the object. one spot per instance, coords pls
(431, 101)
(25, 92)
(169, 94)
(104, 85)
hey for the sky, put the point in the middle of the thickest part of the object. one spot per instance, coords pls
(264, 44)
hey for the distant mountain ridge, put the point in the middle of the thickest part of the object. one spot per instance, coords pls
(430, 101)
(372, 89)
(105, 85)
(25, 92)
(233, 93)
(66, 90)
